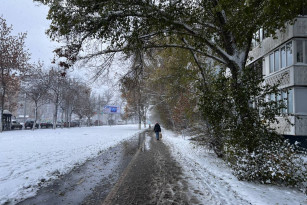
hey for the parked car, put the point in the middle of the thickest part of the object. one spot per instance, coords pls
(46, 124)
(120, 122)
(75, 124)
(30, 123)
(72, 124)
(59, 124)
(111, 122)
(16, 125)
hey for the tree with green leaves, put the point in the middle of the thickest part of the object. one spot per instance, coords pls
(172, 87)
(218, 29)
(221, 30)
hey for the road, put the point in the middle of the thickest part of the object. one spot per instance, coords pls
(138, 171)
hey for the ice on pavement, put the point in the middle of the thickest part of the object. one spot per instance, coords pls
(28, 158)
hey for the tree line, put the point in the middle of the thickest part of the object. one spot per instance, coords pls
(42, 85)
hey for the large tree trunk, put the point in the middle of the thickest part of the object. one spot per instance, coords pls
(1, 117)
(55, 114)
(138, 107)
(62, 119)
(2, 99)
(2, 102)
(88, 121)
(66, 115)
(35, 116)
(144, 118)
(70, 114)
(140, 117)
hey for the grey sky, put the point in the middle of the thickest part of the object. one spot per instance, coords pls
(30, 17)
(26, 16)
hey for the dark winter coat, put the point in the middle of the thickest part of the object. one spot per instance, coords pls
(157, 128)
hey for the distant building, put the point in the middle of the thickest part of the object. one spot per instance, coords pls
(285, 58)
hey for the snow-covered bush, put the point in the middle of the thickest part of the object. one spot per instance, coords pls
(276, 162)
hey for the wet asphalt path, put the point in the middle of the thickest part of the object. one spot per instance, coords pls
(152, 177)
(138, 171)
(91, 182)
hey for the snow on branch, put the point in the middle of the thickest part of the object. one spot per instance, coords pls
(220, 51)
(106, 51)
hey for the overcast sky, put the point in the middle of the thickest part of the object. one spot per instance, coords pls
(29, 17)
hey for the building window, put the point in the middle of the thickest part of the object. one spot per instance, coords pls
(276, 60)
(284, 100)
(290, 101)
(299, 51)
(283, 56)
(289, 53)
(271, 63)
(305, 56)
(279, 102)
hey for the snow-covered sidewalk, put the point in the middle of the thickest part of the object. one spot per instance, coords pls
(28, 158)
(212, 182)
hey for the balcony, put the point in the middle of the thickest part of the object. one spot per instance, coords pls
(298, 127)
(295, 75)
(298, 30)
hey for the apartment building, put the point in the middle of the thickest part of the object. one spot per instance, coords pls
(285, 58)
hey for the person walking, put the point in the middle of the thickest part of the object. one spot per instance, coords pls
(157, 130)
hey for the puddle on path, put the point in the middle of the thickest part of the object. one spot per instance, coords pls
(91, 182)
(144, 141)
(148, 137)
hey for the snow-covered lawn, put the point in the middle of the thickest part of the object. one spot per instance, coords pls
(212, 182)
(29, 157)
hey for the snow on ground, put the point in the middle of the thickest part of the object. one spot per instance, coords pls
(30, 157)
(212, 182)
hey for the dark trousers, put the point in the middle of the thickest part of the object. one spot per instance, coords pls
(157, 135)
